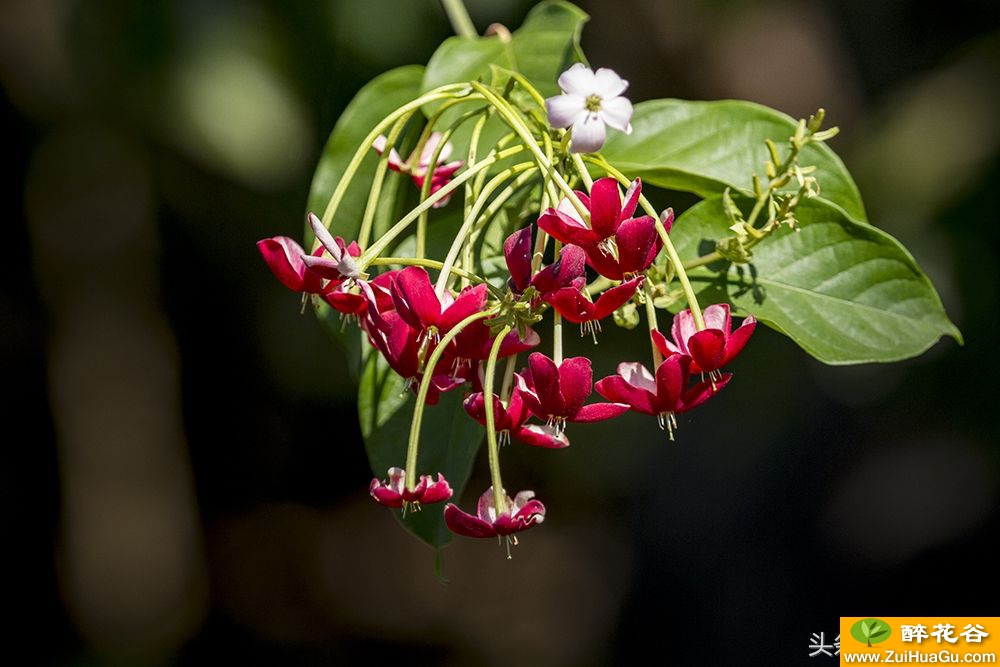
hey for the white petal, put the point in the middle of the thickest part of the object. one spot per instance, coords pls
(617, 112)
(608, 84)
(324, 236)
(588, 134)
(577, 80)
(637, 375)
(565, 109)
(567, 208)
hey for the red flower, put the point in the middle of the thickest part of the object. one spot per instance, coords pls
(510, 421)
(711, 348)
(517, 250)
(284, 257)
(575, 307)
(522, 513)
(392, 492)
(418, 304)
(556, 393)
(664, 395)
(400, 345)
(417, 167)
(616, 243)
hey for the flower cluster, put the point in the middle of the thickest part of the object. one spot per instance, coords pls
(447, 335)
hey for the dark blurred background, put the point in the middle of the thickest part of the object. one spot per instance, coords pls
(186, 480)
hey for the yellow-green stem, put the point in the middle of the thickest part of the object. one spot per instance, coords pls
(459, 18)
(425, 383)
(376, 189)
(651, 320)
(404, 222)
(441, 93)
(495, 182)
(510, 116)
(493, 451)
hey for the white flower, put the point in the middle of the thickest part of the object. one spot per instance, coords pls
(590, 100)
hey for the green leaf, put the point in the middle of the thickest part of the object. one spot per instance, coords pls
(705, 147)
(547, 42)
(380, 97)
(448, 445)
(846, 292)
(545, 45)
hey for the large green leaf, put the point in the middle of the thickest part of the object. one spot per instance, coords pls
(547, 42)
(448, 444)
(845, 291)
(380, 97)
(705, 147)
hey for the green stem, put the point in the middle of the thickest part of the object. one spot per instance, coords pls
(672, 255)
(557, 326)
(373, 195)
(582, 170)
(441, 93)
(493, 451)
(513, 120)
(459, 17)
(494, 184)
(507, 388)
(404, 222)
(425, 383)
(425, 188)
(651, 320)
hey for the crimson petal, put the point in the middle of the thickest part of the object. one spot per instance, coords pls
(415, 299)
(636, 239)
(614, 298)
(708, 350)
(566, 229)
(605, 207)
(517, 253)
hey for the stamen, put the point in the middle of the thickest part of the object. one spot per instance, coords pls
(503, 437)
(609, 247)
(592, 327)
(667, 421)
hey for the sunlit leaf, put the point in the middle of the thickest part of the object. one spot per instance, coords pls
(844, 291)
(705, 147)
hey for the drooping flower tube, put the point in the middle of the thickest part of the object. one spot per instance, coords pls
(616, 244)
(711, 348)
(664, 395)
(392, 491)
(510, 421)
(419, 306)
(517, 250)
(575, 307)
(417, 167)
(590, 100)
(523, 512)
(556, 393)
